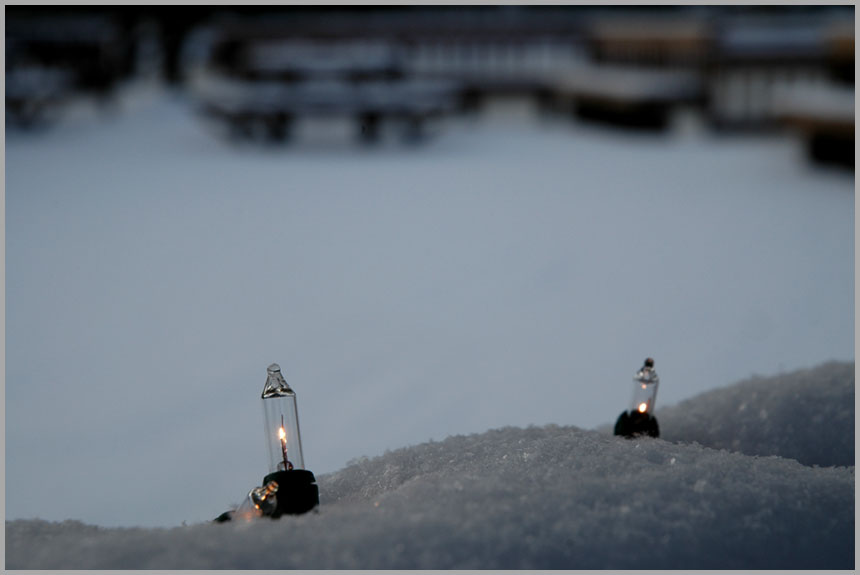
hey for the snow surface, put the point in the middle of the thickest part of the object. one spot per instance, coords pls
(550, 497)
(513, 270)
(807, 415)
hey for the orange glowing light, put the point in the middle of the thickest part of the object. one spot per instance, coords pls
(643, 407)
(282, 435)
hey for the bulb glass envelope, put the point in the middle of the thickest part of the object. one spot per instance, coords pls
(645, 384)
(281, 421)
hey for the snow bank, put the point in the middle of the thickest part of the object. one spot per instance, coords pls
(552, 497)
(807, 415)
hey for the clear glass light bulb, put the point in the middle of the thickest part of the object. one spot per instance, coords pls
(645, 390)
(281, 422)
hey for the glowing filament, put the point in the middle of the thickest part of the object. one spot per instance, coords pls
(282, 435)
(643, 407)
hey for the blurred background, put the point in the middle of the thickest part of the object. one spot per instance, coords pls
(257, 72)
(436, 220)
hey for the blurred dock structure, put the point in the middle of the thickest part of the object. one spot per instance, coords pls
(823, 113)
(758, 57)
(256, 71)
(824, 117)
(51, 56)
(410, 65)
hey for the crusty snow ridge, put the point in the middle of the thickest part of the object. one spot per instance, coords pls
(552, 497)
(807, 415)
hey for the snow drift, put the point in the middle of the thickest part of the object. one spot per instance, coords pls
(552, 497)
(807, 415)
